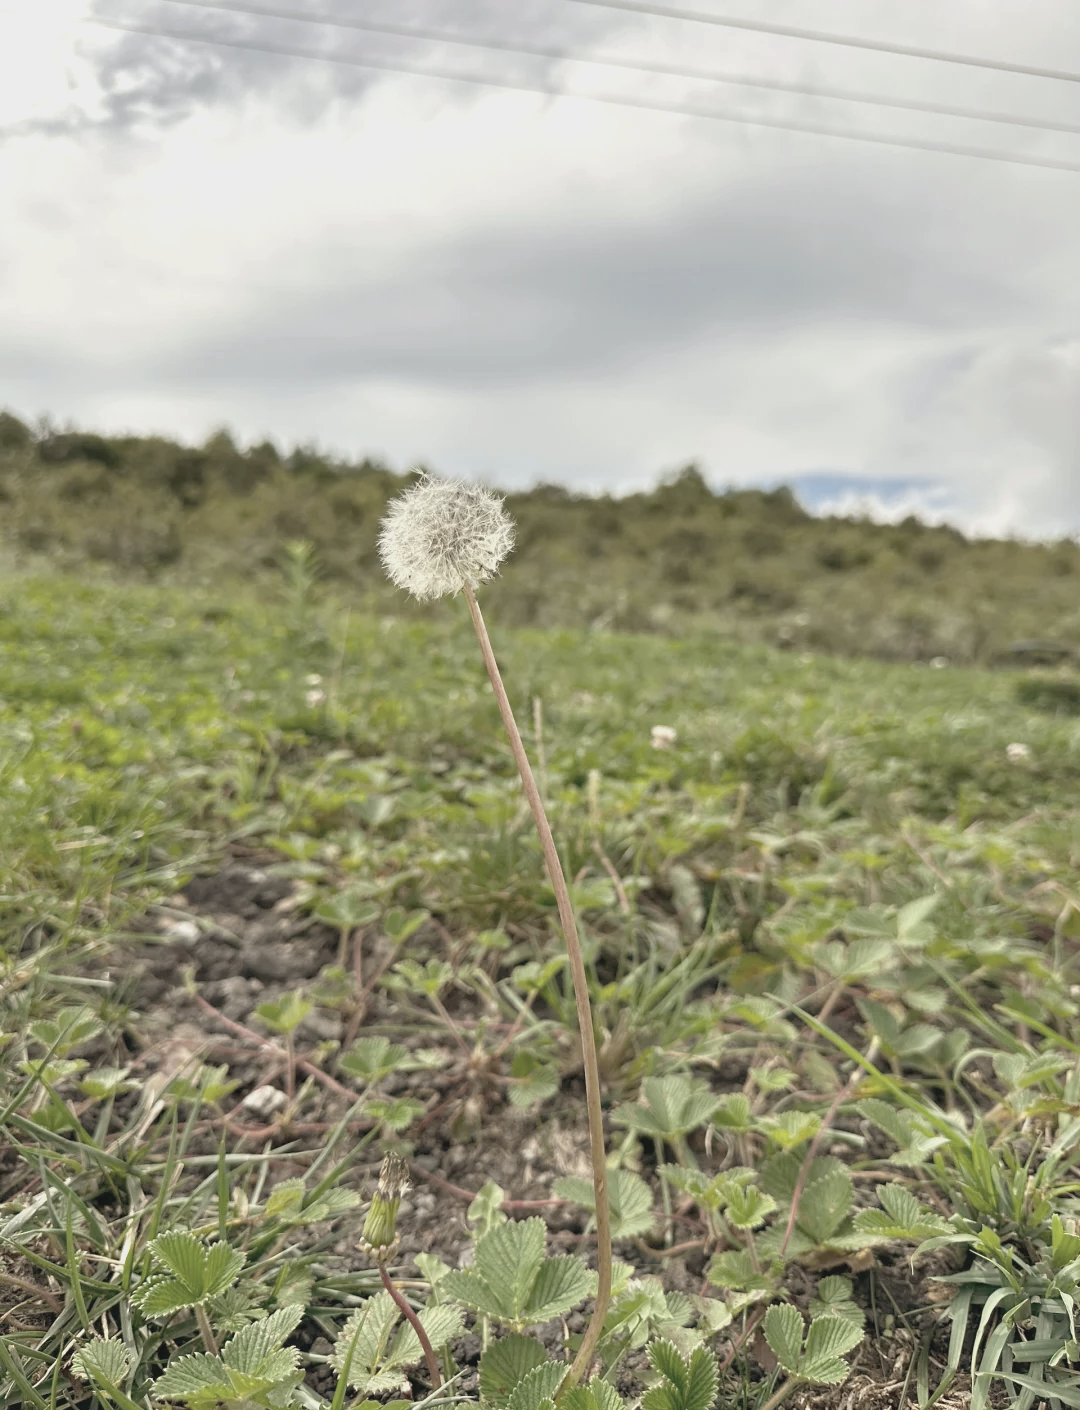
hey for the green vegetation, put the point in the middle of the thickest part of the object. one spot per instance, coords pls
(676, 561)
(831, 930)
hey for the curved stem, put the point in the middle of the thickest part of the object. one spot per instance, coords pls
(416, 1324)
(581, 995)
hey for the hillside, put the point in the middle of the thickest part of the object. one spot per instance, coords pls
(749, 563)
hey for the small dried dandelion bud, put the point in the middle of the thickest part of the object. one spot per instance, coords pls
(379, 1239)
(443, 535)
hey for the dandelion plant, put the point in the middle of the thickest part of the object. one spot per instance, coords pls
(444, 537)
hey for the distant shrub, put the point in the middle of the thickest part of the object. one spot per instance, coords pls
(1053, 695)
(187, 479)
(66, 446)
(842, 555)
(83, 485)
(763, 540)
(141, 544)
(14, 434)
(762, 595)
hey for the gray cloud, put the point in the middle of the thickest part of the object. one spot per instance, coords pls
(657, 291)
(153, 81)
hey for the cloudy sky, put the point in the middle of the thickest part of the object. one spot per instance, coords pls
(512, 285)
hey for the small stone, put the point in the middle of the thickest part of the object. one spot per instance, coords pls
(181, 932)
(264, 1101)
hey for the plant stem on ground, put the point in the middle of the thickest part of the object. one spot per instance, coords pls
(416, 1324)
(581, 995)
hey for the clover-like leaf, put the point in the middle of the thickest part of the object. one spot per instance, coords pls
(106, 1360)
(670, 1106)
(505, 1363)
(536, 1389)
(629, 1197)
(561, 1284)
(783, 1328)
(685, 1384)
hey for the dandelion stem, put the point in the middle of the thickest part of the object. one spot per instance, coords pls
(581, 994)
(417, 1326)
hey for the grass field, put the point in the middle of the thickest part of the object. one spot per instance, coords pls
(272, 905)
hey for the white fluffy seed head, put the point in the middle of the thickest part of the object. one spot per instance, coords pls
(443, 535)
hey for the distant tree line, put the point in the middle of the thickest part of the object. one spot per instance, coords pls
(678, 558)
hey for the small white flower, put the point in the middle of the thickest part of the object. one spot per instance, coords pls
(663, 736)
(1017, 753)
(938, 663)
(312, 698)
(443, 535)
(313, 679)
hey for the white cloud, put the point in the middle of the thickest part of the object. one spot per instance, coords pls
(506, 285)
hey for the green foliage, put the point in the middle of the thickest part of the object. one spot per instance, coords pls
(514, 1282)
(688, 1383)
(254, 1368)
(194, 1273)
(819, 1359)
(670, 1107)
(824, 832)
(629, 1199)
(378, 1345)
(678, 558)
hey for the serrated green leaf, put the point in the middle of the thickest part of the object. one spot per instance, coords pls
(560, 1284)
(395, 1113)
(193, 1375)
(597, 1395)
(664, 1358)
(102, 1359)
(254, 1346)
(184, 1256)
(536, 1386)
(286, 1198)
(372, 1059)
(783, 1328)
(508, 1258)
(468, 1287)
(748, 1207)
(825, 1204)
(629, 1198)
(160, 1296)
(733, 1113)
(703, 1380)
(670, 1106)
(442, 1322)
(823, 1372)
(106, 1082)
(834, 1299)
(367, 1331)
(505, 1363)
(779, 1175)
(830, 1336)
(223, 1265)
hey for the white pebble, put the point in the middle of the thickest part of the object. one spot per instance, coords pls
(264, 1101)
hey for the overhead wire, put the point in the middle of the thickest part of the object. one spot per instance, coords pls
(376, 64)
(820, 36)
(664, 70)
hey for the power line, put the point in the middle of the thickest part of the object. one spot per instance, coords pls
(612, 100)
(441, 36)
(819, 36)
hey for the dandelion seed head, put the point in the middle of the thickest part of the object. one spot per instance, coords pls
(443, 535)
